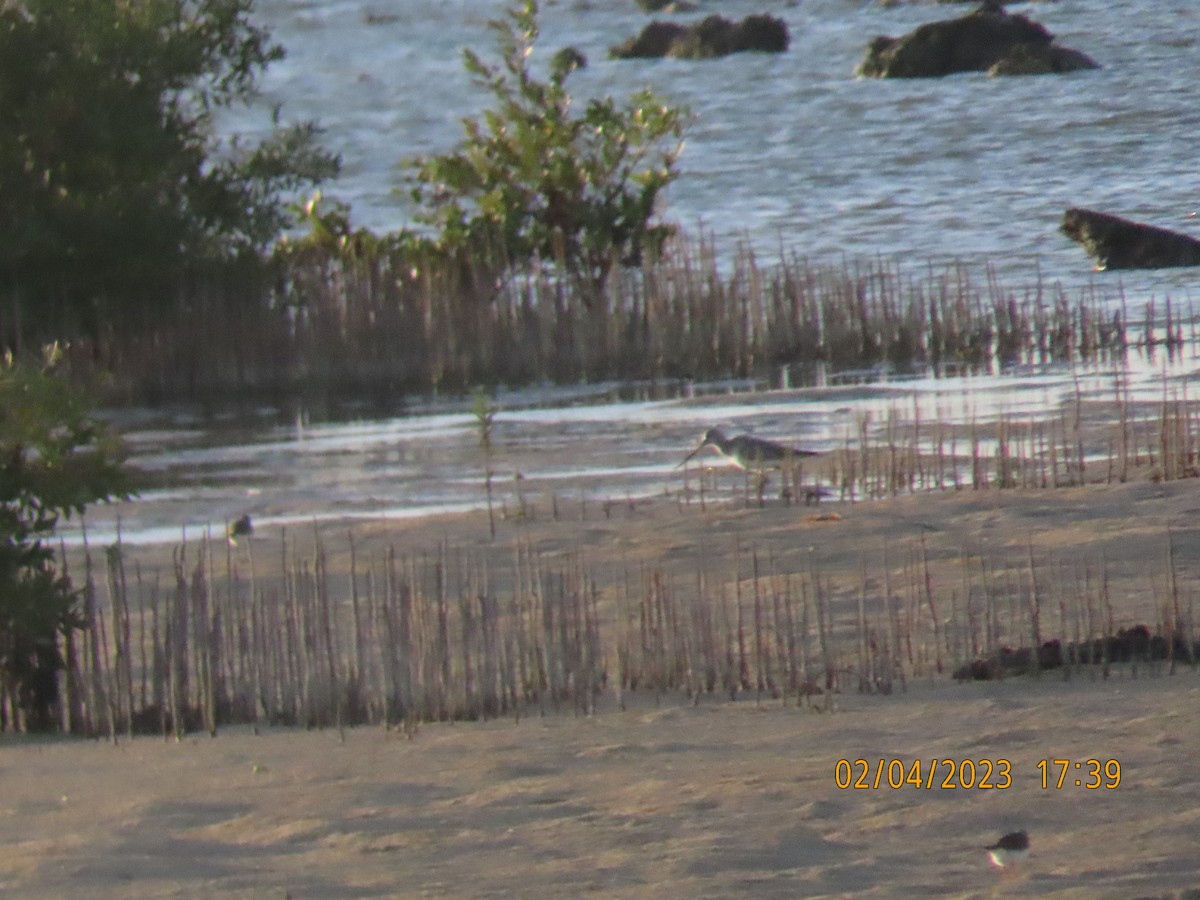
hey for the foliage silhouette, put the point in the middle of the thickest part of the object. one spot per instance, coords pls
(113, 178)
(533, 181)
(55, 460)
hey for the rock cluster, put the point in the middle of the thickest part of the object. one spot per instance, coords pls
(711, 37)
(987, 40)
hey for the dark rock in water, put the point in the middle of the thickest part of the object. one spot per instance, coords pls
(711, 37)
(987, 40)
(1042, 59)
(654, 41)
(763, 33)
(568, 59)
(666, 5)
(1118, 243)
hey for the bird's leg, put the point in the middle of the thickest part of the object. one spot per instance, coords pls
(812, 492)
(761, 479)
(791, 483)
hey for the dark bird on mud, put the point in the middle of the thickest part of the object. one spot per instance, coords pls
(1010, 850)
(748, 452)
(240, 527)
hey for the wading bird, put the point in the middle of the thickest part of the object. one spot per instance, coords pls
(748, 452)
(752, 454)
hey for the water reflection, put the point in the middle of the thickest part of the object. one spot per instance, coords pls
(592, 443)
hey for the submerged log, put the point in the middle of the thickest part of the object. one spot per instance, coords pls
(1118, 243)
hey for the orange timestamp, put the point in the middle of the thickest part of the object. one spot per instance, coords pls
(926, 774)
(1091, 774)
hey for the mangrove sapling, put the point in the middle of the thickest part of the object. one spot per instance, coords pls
(485, 415)
(550, 181)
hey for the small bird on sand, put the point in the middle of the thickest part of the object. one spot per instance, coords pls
(240, 527)
(1010, 850)
(748, 452)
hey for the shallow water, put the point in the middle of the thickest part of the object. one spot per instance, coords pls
(574, 445)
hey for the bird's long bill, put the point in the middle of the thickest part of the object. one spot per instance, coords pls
(688, 458)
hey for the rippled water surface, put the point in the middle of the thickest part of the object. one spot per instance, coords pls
(791, 150)
(785, 151)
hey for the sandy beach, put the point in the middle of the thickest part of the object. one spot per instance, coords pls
(720, 799)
